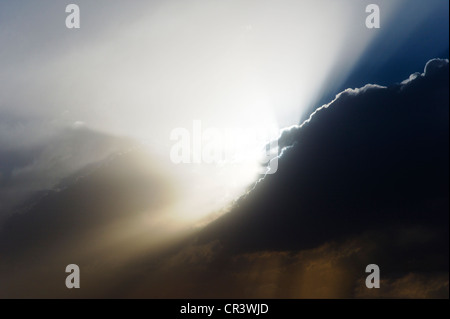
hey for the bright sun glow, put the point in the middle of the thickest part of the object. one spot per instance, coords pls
(222, 162)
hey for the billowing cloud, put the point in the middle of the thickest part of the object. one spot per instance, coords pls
(372, 156)
(373, 160)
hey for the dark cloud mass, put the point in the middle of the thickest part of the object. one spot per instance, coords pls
(373, 157)
(374, 161)
(364, 180)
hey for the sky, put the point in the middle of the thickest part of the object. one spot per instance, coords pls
(87, 122)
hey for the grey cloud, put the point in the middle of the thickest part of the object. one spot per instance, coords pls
(39, 165)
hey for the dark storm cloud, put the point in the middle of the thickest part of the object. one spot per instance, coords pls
(374, 158)
(330, 270)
